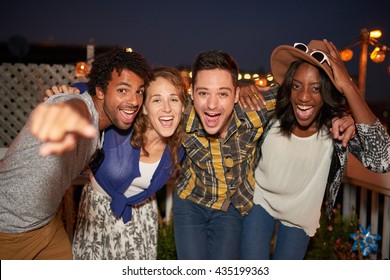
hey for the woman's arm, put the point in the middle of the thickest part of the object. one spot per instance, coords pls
(359, 108)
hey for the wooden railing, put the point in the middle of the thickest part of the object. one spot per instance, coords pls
(367, 195)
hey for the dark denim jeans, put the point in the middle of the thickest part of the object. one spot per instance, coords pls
(257, 232)
(202, 233)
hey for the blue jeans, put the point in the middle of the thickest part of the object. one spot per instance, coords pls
(202, 233)
(257, 232)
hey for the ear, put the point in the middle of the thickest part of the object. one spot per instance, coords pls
(99, 93)
(191, 92)
(237, 97)
(144, 111)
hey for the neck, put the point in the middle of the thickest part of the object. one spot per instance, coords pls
(155, 146)
(304, 131)
(153, 138)
(104, 122)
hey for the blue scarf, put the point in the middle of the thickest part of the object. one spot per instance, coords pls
(121, 166)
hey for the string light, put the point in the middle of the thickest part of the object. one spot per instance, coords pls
(82, 69)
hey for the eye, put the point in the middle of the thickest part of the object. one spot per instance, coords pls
(295, 86)
(224, 94)
(140, 92)
(316, 89)
(175, 99)
(122, 90)
(202, 93)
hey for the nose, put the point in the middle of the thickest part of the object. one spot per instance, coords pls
(304, 96)
(133, 99)
(212, 101)
(167, 106)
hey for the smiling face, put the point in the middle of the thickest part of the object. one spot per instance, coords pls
(306, 99)
(163, 107)
(122, 100)
(214, 96)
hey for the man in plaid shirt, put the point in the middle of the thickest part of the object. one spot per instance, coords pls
(215, 188)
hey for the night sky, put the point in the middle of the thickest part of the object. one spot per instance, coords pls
(173, 32)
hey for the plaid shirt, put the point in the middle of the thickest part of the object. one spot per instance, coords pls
(217, 172)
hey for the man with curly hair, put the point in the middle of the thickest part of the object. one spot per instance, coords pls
(34, 175)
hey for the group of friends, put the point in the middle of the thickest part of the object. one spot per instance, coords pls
(244, 161)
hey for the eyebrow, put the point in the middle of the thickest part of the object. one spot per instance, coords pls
(129, 85)
(221, 88)
(159, 94)
(298, 81)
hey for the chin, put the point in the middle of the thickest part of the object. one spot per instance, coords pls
(166, 135)
(212, 131)
(124, 126)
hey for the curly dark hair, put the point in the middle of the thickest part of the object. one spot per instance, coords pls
(142, 122)
(215, 59)
(335, 104)
(116, 59)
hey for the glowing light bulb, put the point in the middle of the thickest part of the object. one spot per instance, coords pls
(378, 55)
(346, 54)
(82, 69)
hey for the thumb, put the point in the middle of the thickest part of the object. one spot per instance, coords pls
(86, 130)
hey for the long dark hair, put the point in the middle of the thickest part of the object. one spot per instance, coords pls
(335, 104)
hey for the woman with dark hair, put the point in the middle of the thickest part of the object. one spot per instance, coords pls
(297, 158)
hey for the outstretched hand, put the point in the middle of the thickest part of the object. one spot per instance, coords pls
(58, 126)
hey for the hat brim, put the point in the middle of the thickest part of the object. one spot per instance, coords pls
(283, 56)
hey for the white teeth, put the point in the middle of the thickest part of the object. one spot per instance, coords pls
(166, 118)
(128, 111)
(303, 107)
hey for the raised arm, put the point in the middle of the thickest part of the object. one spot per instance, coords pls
(359, 108)
(374, 150)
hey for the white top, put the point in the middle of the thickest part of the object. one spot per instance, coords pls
(138, 185)
(292, 190)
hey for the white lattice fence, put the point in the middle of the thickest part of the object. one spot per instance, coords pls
(22, 86)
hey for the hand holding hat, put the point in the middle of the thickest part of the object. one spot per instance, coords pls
(340, 73)
(322, 54)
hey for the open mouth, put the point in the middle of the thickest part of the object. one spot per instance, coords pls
(304, 111)
(128, 114)
(212, 118)
(166, 121)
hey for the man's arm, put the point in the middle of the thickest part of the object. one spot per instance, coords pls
(59, 125)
